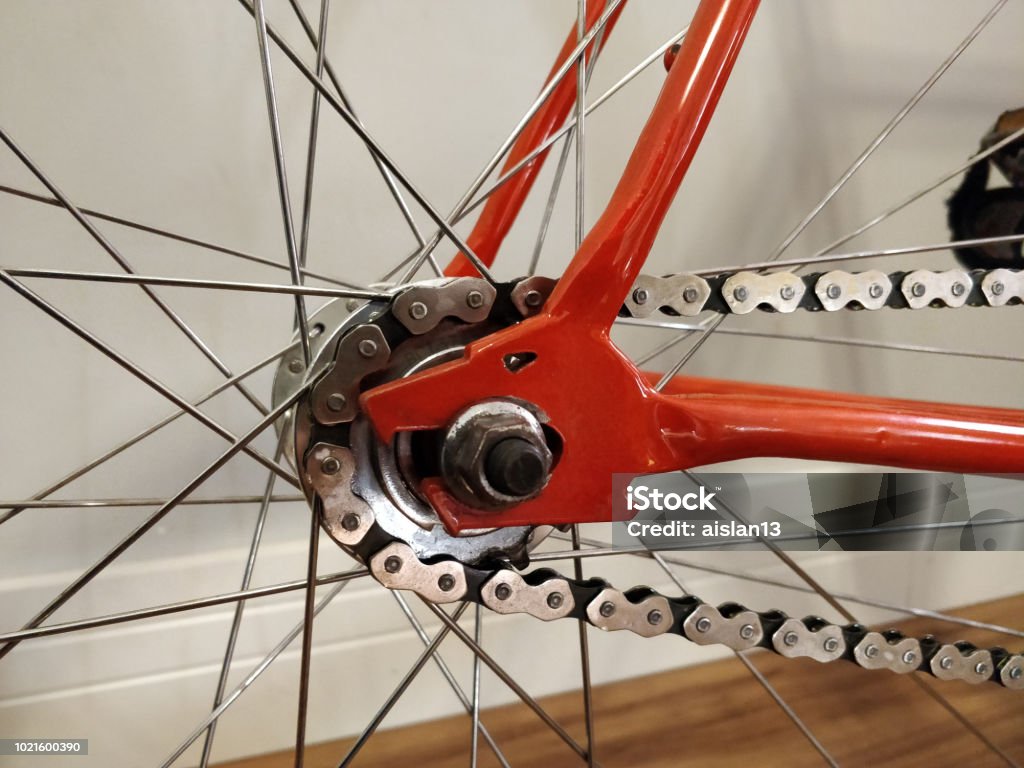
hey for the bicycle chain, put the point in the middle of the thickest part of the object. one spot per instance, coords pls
(546, 594)
(740, 293)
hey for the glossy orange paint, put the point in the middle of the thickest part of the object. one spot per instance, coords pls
(606, 410)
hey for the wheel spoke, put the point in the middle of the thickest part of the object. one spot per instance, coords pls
(121, 447)
(183, 282)
(445, 670)
(139, 614)
(100, 565)
(475, 714)
(307, 635)
(256, 671)
(177, 237)
(886, 131)
(406, 681)
(236, 619)
(504, 676)
(588, 698)
(154, 501)
(127, 267)
(301, 320)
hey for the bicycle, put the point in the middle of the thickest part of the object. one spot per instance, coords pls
(359, 374)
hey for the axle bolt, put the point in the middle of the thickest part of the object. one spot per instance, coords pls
(474, 299)
(555, 600)
(446, 582)
(393, 564)
(330, 466)
(350, 521)
(607, 609)
(503, 591)
(516, 467)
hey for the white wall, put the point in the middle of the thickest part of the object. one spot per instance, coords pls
(155, 111)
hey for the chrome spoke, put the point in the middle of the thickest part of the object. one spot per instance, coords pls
(912, 198)
(179, 607)
(588, 698)
(563, 160)
(239, 443)
(258, 670)
(389, 180)
(121, 447)
(404, 684)
(830, 258)
(116, 255)
(375, 148)
(236, 620)
(154, 501)
(475, 716)
(446, 672)
(546, 91)
(301, 319)
(183, 282)
(886, 131)
(305, 659)
(177, 237)
(498, 670)
(140, 374)
(314, 133)
(840, 340)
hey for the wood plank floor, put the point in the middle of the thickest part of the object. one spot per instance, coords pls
(717, 715)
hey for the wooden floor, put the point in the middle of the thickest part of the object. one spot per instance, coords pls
(717, 715)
